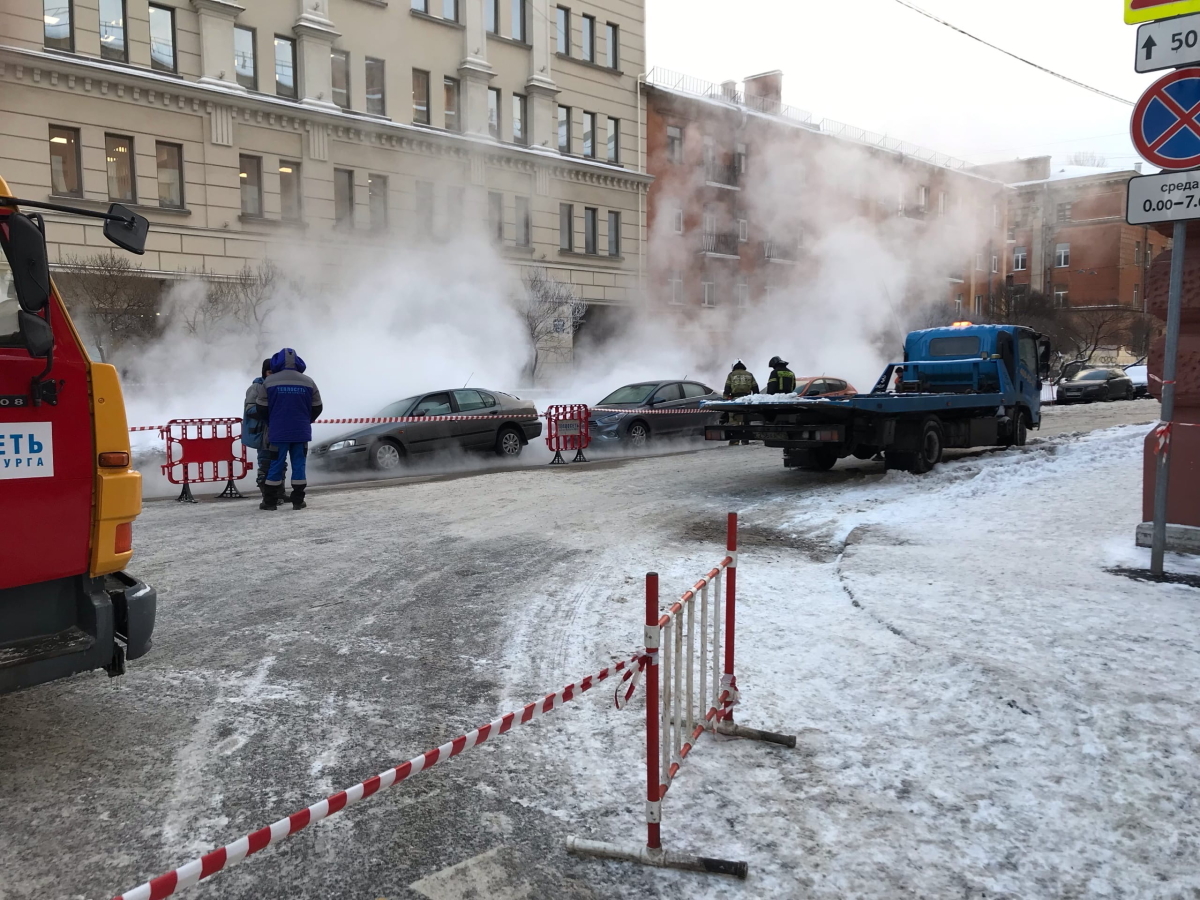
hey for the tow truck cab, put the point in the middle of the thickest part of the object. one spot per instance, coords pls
(68, 493)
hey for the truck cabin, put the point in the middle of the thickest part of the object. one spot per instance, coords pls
(966, 358)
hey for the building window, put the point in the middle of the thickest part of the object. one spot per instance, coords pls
(614, 140)
(563, 22)
(424, 207)
(614, 233)
(450, 88)
(524, 223)
(496, 216)
(1061, 297)
(376, 98)
(66, 179)
(450, 10)
(564, 129)
(491, 13)
(1136, 291)
(979, 262)
(289, 191)
(943, 202)
(1137, 253)
(677, 219)
(979, 304)
(958, 305)
(494, 112)
(420, 91)
(518, 20)
(57, 30)
(709, 297)
(588, 47)
(612, 45)
(674, 143)
(377, 201)
(170, 175)
(995, 264)
(743, 229)
(591, 223)
(741, 159)
(1020, 259)
(922, 197)
(162, 39)
(710, 221)
(339, 61)
(518, 118)
(455, 198)
(1062, 256)
(1064, 212)
(589, 135)
(250, 176)
(995, 216)
(112, 31)
(118, 153)
(285, 67)
(343, 198)
(420, 5)
(244, 68)
(675, 287)
(566, 226)
(743, 295)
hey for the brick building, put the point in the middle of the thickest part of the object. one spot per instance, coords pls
(746, 187)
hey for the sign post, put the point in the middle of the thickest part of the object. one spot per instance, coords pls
(1162, 473)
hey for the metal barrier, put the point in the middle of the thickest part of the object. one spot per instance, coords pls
(692, 690)
(205, 450)
(567, 429)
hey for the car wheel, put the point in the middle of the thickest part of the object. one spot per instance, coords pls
(638, 435)
(386, 456)
(508, 443)
(1131, 394)
(930, 452)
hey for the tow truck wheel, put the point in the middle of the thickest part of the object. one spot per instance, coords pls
(930, 452)
(1021, 429)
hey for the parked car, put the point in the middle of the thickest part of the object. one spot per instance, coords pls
(1140, 376)
(626, 412)
(505, 426)
(1089, 385)
(824, 386)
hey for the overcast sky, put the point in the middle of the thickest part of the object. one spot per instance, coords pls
(880, 66)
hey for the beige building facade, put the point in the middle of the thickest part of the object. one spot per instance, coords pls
(241, 129)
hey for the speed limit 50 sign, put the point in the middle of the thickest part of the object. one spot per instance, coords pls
(1165, 197)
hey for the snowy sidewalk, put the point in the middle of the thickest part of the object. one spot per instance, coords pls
(983, 710)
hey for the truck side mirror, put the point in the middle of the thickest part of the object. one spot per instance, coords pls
(25, 246)
(36, 333)
(130, 232)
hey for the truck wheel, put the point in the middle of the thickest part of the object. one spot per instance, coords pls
(824, 459)
(930, 452)
(1021, 434)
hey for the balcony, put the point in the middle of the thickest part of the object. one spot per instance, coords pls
(781, 251)
(721, 175)
(720, 243)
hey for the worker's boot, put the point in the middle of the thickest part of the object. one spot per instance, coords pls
(270, 496)
(298, 496)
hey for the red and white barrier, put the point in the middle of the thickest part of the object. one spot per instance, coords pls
(213, 862)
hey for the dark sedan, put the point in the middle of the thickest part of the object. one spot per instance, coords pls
(636, 412)
(505, 425)
(1090, 385)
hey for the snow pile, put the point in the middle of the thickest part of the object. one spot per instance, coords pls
(983, 708)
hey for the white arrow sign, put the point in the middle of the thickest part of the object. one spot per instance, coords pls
(1168, 44)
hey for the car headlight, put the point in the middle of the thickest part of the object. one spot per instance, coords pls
(610, 419)
(341, 445)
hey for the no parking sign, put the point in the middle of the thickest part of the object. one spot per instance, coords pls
(1165, 128)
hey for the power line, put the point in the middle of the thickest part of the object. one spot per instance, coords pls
(1028, 62)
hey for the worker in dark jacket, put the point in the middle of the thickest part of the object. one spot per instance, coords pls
(739, 383)
(254, 429)
(782, 380)
(290, 402)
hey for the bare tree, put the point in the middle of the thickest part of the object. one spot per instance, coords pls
(1088, 158)
(112, 298)
(1081, 332)
(552, 314)
(211, 306)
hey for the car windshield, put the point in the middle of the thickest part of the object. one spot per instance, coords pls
(631, 393)
(1091, 375)
(399, 408)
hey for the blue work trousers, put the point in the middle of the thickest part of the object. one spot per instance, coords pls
(299, 453)
(264, 465)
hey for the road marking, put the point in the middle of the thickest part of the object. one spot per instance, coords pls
(485, 875)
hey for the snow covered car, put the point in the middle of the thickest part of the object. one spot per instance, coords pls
(1090, 385)
(635, 412)
(499, 422)
(1140, 376)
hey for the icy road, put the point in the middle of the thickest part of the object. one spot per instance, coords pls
(983, 708)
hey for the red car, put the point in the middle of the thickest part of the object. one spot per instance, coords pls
(824, 386)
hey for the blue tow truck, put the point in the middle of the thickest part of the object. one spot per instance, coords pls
(960, 386)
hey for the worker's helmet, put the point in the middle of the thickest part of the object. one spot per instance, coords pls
(739, 365)
(777, 363)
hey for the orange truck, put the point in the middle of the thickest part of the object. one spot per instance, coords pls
(68, 492)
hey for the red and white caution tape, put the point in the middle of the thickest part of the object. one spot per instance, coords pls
(216, 860)
(146, 427)
(654, 412)
(1162, 435)
(377, 420)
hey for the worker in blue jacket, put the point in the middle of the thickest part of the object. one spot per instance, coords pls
(254, 430)
(290, 402)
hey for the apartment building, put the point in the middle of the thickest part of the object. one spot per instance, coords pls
(745, 187)
(243, 128)
(1068, 238)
